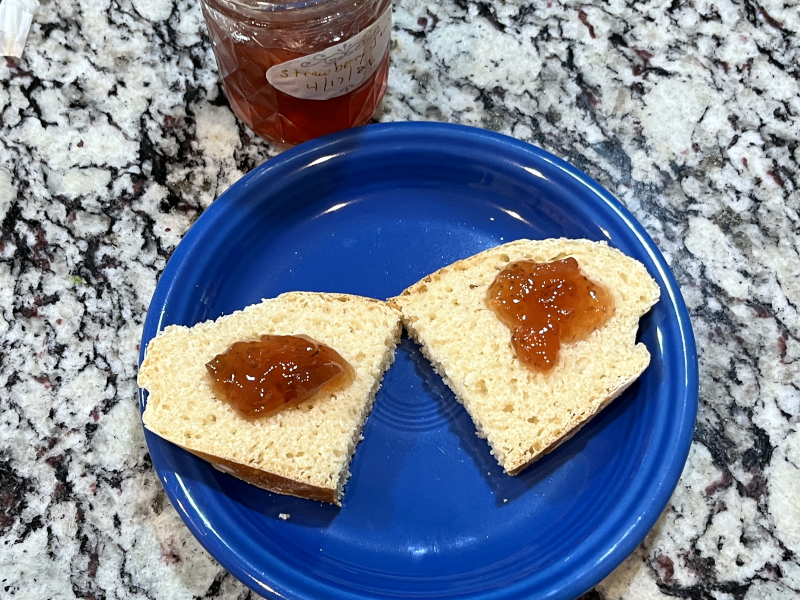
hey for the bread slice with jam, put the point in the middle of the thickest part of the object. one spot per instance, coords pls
(302, 451)
(524, 413)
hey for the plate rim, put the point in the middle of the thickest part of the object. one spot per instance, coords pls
(355, 140)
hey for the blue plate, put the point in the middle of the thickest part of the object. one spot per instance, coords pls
(428, 513)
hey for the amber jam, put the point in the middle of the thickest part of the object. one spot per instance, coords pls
(251, 36)
(263, 377)
(546, 305)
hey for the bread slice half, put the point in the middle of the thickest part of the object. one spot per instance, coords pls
(302, 451)
(524, 414)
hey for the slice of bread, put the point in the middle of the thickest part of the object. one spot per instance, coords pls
(525, 414)
(302, 451)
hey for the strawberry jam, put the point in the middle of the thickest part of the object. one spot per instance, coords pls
(260, 378)
(546, 305)
(250, 37)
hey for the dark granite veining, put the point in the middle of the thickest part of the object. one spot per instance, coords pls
(114, 136)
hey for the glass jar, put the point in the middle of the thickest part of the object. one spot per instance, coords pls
(293, 71)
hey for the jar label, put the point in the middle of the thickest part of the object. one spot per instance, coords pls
(336, 70)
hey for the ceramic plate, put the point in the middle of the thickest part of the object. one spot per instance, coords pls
(427, 513)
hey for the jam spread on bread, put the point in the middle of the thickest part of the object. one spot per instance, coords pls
(546, 305)
(263, 377)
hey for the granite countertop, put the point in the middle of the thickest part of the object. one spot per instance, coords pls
(115, 135)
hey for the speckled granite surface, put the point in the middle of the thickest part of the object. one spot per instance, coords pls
(114, 136)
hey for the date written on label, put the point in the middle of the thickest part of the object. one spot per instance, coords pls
(339, 74)
(336, 70)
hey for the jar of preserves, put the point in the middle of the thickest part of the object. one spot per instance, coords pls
(293, 71)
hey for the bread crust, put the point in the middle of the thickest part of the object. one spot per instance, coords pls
(270, 481)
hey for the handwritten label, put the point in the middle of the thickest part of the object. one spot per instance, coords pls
(336, 70)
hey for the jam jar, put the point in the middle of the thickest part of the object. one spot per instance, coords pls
(293, 71)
